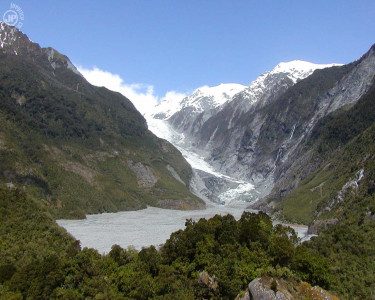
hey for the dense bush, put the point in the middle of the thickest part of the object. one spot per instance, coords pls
(39, 102)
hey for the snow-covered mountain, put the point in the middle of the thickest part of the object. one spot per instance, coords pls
(206, 98)
(202, 99)
(189, 114)
(239, 139)
(187, 122)
(298, 69)
(295, 71)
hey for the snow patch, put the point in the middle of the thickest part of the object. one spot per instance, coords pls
(291, 135)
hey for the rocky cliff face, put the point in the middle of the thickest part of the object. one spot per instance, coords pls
(255, 144)
(249, 135)
(297, 161)
(255, 136)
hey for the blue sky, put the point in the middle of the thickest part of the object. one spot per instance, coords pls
(180, 45)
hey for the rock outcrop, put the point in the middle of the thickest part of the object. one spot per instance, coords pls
(145, 176)
(206, 280)
(318, 225)
(261, 289)
(267, 288)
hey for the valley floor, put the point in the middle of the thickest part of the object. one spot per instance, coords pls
(143, 228)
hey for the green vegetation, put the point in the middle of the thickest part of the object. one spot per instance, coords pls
(349, 244)
(40, 261)
(70, 145)
(342, 144)
(28, 232)
(350, 248)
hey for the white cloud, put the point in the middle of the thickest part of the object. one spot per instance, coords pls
(174, 96)
(142, 95)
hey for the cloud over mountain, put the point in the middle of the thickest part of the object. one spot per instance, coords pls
(142, 95)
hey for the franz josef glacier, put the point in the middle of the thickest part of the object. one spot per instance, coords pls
(196, 124)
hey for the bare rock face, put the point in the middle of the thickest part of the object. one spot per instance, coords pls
(295, 158)
(321, 224)
(175, 174)
(145, 176)
(268, 288)
(207, 280)
(257, 136)
(260, 289)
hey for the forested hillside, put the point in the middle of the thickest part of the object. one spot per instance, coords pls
(75, 147)
(340, 146)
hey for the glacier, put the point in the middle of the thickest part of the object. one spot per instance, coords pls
(236, 189)
(181, 121)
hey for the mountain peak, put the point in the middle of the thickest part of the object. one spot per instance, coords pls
(202, 99)
(299, 69)
(12, 40)
(296, 64)
(205, 98)
(294, 70)
(15, 42)
(220, 92)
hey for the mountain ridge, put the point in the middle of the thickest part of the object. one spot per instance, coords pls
(203, 127)
(75, 147)
(295, 70)
(216, 95)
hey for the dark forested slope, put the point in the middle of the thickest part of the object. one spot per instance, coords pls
(79, 148)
